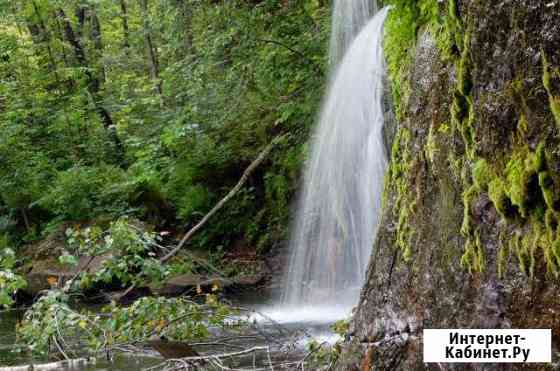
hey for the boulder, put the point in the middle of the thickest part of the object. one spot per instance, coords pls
(253, 273)
(48, 272)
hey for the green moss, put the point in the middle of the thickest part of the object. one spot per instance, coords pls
(401, 31)
(551, 223)
(536, 161)
(534, 240)
(525, 194)
(482, 175)
(464, 73)
(547, 187)
(522, 125)
(517, 181)
(459, 108)
(399, 182)
(498, 196)
(404, 234)
(468, 256)
(523, 174)
(519, 246)
(449, 37)
(474, 258)
(455, 164)
(550, 74)
(555, 251)
(462, 111)
(468, 197)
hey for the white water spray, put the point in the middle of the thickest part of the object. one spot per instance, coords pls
(339, 208)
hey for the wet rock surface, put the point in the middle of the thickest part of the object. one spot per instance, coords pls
(432, 289)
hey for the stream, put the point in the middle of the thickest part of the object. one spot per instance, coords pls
(297, 328)
(8, 357)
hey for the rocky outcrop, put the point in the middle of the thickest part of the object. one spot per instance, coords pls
(42, 268)
(49, 272)
(469, 237)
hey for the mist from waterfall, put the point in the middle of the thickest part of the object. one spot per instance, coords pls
(339, 208)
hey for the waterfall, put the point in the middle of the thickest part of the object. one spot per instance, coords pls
(348, 18)
(339, 207)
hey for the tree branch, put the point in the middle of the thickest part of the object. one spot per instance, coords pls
(224, 200)
(290, 49)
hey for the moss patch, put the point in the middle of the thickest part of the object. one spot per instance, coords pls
(551, 79)
(482, 175)
(401, 31)
(474, 257)
(498, 196)
(522, 173)
(514, 175)
(399, 181)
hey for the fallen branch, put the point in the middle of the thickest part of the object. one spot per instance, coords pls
(214, 360)
(224, 200)
(260, 158)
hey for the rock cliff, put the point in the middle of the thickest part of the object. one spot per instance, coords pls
(470, 233)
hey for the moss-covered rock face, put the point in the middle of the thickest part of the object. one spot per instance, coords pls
(470, 234)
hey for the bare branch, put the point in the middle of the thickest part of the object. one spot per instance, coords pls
(224, 200)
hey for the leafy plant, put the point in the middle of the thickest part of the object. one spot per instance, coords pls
(52, 320)
(10, 282)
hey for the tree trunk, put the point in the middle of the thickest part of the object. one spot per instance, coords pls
(150, 49)
(126, 32)
(25, 219)
(41, 36)
(97, 42)
(187, 21)
(93, 84)
(60, 35)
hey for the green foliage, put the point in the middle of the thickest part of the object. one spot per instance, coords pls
(10, 282)
(86, 133)
(51, 319)
(86, 192)
(129, 253)
(321, 354)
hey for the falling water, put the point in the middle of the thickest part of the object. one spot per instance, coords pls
(339, 209)
(349, 17)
